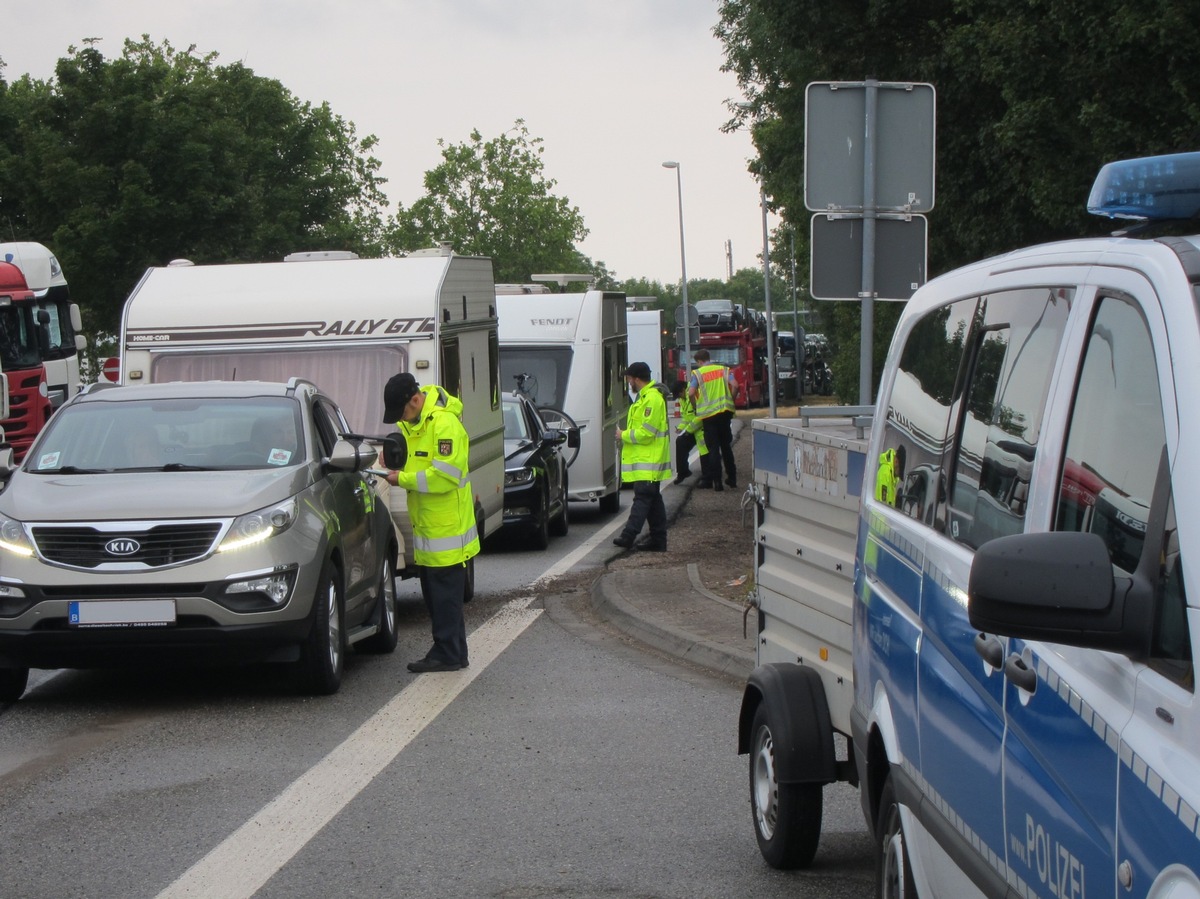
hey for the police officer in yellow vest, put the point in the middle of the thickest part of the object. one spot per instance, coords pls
(440, 506)
(889, 476)
(712, 388)
(691, 434)
(645, 460)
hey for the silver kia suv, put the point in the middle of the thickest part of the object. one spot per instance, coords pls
(209, 522)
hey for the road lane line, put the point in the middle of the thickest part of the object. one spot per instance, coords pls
(253, 853)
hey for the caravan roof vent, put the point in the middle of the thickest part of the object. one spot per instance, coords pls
(319, 256)
(1153, 188)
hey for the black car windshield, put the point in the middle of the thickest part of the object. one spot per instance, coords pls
(171, 435)
(515, 425)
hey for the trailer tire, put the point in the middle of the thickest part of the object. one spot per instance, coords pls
(787, 817)
(610, 503)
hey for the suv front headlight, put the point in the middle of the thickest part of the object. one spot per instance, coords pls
(256, 527)
(13, 538)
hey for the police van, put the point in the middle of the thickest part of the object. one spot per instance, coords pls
(1008, 651)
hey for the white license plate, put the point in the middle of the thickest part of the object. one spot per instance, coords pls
(122, 613)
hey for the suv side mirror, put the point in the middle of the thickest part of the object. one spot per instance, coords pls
(351, 455)
(395, 451)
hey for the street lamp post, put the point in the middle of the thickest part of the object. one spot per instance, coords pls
(687, 318)
(762, 198)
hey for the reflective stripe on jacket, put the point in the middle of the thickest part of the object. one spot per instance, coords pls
(435, 475)
(646, 443)
(715, 396)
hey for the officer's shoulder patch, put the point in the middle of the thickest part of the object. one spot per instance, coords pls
(445, 447)
(646, 412)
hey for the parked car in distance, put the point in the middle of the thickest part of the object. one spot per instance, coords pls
(202, 522)
(535, 471)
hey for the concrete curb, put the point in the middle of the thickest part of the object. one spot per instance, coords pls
(608, 601)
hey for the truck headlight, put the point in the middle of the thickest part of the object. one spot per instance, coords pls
(256, 527)
(13, 538)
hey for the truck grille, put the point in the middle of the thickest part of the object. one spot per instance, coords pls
(156, 546)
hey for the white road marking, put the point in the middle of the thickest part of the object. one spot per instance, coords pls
(252, 854)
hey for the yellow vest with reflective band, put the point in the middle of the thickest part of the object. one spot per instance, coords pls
(435, 475)
(690, 424)
(886, 480)
(646, 443)
(715, 396)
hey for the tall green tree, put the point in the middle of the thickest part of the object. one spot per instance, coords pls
(119, 164)
(491, 198)
(1031, 99)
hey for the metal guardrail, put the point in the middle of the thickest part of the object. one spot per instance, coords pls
(860, 416)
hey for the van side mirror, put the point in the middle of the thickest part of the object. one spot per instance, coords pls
(395, 451)
(1059, 587)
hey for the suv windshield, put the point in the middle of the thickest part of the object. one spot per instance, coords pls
(207, 433)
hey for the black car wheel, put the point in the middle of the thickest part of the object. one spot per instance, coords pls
(541, 525)
(562, 523)
(384, 639)
(12, 683)
(894, 878)
(324, 652)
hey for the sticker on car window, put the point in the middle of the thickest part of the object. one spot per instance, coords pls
(49, 460)
(279, 456)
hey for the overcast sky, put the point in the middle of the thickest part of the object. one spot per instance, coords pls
(613, 87)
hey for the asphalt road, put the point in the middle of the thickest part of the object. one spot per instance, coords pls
(566, 762)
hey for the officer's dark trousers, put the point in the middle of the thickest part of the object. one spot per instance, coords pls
(684, 444)
(442, 589)
(718, 437)
(647, 506)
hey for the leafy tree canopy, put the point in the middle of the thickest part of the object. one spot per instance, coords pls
(1032, 98)
(120, 164)
(491, 198)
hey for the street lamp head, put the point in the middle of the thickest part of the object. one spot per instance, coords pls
(670, 165)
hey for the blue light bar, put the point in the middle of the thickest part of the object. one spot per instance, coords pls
(1153, 188)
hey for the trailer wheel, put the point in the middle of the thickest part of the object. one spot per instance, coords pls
(893, 873)
(787, 817)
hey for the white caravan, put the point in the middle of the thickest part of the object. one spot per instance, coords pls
(568, 352)
(344, 323)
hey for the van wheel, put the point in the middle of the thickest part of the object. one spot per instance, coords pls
(12, 683)
(384, 639)
(787, 817)
(324, 652)
(893, 877)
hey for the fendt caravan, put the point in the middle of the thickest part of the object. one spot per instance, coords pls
(568, 352)
(344, 323)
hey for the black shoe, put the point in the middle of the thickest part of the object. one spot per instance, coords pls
(718, 486)
(704, 483)
(731, 482)
(682, 476)
(623, 542)
(650, 545)
(421, 666)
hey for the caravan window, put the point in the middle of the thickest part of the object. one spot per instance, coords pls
(540, 373)
(339, 374)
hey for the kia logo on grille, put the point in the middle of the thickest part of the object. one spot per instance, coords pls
(122, 546)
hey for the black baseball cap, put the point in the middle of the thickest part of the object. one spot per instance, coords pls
(399, 390)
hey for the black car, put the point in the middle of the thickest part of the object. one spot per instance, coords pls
(535, 471)
(718, 315)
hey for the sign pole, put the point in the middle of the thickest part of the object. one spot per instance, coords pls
(867, 295)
